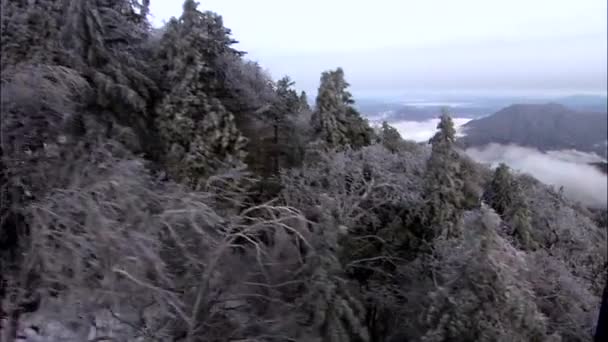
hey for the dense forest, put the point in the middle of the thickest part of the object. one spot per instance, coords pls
(159, 186)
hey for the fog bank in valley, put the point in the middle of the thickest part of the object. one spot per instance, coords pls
(568, 168)
(420, 131)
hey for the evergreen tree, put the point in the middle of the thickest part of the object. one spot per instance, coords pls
(193, 44)
(102, 41)
(332, 100)
(288, 97)
(444, 139)
(335, 313)
(285, 107)
(390, 137)
(200, 135)
(105, 39)
(198, 132)
(198, 38)
(327, 252)
(501, 192)
(304, 105)
(334, 120)
(359, 132)
(482, 292)
(522, 226)
(30, 32)
(443, 193)
(505, 197)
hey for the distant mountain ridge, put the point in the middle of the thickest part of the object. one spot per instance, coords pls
(546, 127)
(585, 102)
(471, 107)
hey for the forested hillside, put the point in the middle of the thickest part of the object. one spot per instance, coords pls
(543, 126)
(159, 186)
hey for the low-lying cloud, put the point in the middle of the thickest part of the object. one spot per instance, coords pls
(420, 131)
(582, 182)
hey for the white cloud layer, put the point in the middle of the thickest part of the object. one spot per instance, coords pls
(568, 168)
(420, 131)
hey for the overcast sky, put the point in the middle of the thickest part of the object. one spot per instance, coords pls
(510, 46)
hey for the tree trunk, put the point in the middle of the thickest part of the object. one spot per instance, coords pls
(601, 332)
(12, 325)
(276, 151)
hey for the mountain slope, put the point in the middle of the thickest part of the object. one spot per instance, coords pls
(545, 126)
(166, 189)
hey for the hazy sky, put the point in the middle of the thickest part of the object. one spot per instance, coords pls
(513, 46)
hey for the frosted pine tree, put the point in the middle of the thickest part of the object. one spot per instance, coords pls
(504, 195)
(390, 137)
(443, 193)
(334, 313)
(104, 39)
(199, 134)
(304, 106)
(334, 120)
